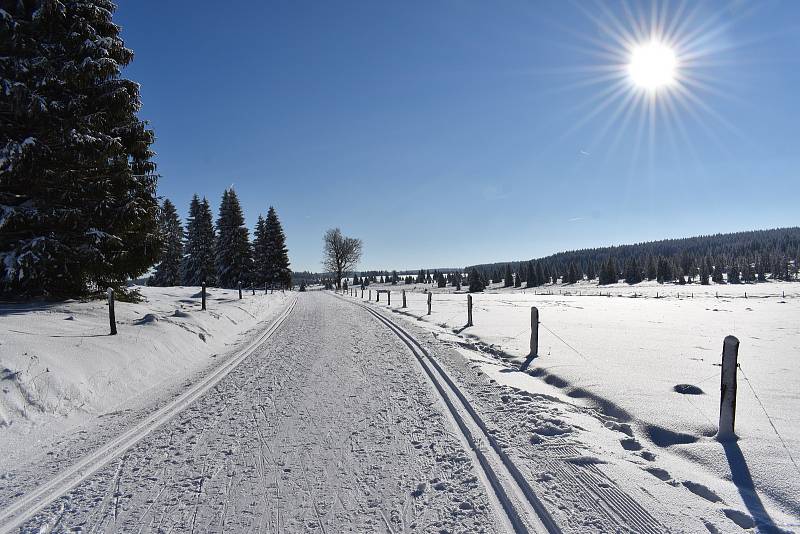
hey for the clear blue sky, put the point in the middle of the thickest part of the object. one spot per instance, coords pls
(448, 133)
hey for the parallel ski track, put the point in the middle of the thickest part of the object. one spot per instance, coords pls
(524, 511)
(21, 510)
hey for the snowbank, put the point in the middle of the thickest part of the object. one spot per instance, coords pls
(58, 365)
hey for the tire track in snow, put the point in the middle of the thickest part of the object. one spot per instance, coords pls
(514, 498)
(25, 507)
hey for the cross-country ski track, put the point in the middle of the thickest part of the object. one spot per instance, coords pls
(17, 513)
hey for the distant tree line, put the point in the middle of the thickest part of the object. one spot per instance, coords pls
(741, 257)
(220, 254)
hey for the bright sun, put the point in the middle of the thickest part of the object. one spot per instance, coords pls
(652, 66)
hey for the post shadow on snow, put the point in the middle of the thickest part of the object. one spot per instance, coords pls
(462, 329)
(740, 475)
(528, 361)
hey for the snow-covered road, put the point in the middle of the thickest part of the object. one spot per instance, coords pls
(329, 426)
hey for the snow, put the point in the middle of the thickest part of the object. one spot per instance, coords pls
(627, 356)
(331, 424)
(316, 431)
(59, 367)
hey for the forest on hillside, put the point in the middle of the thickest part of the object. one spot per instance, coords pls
(749, 256)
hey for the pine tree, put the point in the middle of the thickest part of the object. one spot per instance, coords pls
(716, 275)
(633, 274)
(652, 269)
(168, 272)
(260, 273)
(590, 272)
(78, 206)
(704, 274)
(572, 274)
(198, 261)
(232, 252)
(476, 281)
(508, 279)
(278, 272)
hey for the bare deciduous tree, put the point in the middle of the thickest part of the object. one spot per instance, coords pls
(341, 253)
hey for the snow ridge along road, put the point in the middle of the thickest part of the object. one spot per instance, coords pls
(18, 512)
(514, 498)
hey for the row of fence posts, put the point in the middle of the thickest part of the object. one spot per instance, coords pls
(730, 357)
(112, 316)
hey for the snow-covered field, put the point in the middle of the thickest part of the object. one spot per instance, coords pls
(59, 367)
(629, 355)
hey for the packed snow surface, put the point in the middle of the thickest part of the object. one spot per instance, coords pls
(654, 364)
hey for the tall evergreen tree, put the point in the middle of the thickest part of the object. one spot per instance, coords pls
(476, 281)
(508, 278)
(590, 272)
(278, 260)
(572, 274)
(530, 274)
(652, 268)
(232, 252)
(198, 260)
(168, 272)
(260, 274)
(78, 206)
(704, 274)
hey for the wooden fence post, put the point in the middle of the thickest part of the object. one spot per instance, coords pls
(112, 320)
(469, 310)
(727, 400)
(240, 290)
(430, 296)
(404, 298)
(265, 288)
(534, 331)
(253, 287)
(203, 296)
(362, 292)
(388, 297)
(369, 295)
(377, 296)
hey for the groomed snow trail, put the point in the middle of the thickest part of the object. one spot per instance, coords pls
(16, 513)
(516, 502)
(328, 426)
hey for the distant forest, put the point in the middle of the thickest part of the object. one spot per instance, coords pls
(733, 258)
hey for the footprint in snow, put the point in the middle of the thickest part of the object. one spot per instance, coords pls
(702, 490)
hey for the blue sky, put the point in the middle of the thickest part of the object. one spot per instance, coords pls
(450, 133)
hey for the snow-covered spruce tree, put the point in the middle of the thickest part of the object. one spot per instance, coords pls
(168, 272)
(78, 203)
(279, 273)
(260, 253)
(198, 261)
(232, 254)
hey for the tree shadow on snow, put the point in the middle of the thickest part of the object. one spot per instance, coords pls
(740, 475)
